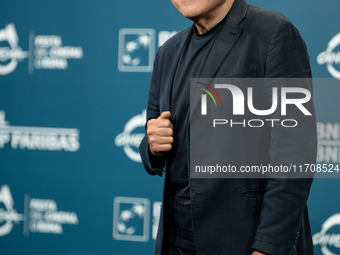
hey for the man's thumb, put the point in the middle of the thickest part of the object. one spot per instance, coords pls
(165, 115)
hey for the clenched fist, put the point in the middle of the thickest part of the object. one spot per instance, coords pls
(160, 134)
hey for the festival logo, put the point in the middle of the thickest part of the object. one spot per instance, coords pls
(51, 54)
(331, 57)
(41, 215)
(8, 215)
(10, 52)
(44, 217)
(329, 236)
(129, 139)
(45, 51)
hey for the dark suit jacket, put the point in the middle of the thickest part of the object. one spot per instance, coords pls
(235, 216)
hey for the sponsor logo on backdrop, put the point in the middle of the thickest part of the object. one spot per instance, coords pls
(44, 51)
(10, 51)
(38, 138)
(129, 139)
(8, 215)
(137, 47)
(156, 214)
(131, 219)
(329, 236)
(163, 36)
(44, 217)
(328, 142)
(40, 215)
(49, 52)
(331, 57)
(136, 50)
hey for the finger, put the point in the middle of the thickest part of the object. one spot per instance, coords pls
(161, 140)
(161, 147)
(165, 115)
(167, 132)
(161, 123)
(164, 124)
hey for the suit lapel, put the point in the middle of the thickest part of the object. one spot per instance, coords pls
(229, 35)
(187, 33)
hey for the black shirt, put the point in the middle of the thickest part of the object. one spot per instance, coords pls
(191, 64)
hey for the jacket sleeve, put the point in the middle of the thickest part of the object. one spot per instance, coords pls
(152, 164)
(285, 199)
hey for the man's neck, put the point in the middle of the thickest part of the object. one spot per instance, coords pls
(206, 22)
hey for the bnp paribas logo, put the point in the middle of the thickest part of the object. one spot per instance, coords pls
(37, 138)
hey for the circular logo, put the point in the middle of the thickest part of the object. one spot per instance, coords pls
(330, 57)
(326, 238)
(10, 55)
(130, 141)
(8, 215)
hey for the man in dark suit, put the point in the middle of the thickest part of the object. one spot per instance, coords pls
(228, 216)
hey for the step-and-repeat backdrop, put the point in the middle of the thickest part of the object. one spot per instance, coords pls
(74, 78)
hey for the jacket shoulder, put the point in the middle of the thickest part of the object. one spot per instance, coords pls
(266, 18)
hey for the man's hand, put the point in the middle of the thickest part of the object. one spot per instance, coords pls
(160, 134)
(258, 253)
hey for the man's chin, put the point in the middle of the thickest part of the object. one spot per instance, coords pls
(191, 16)
(190, 13)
